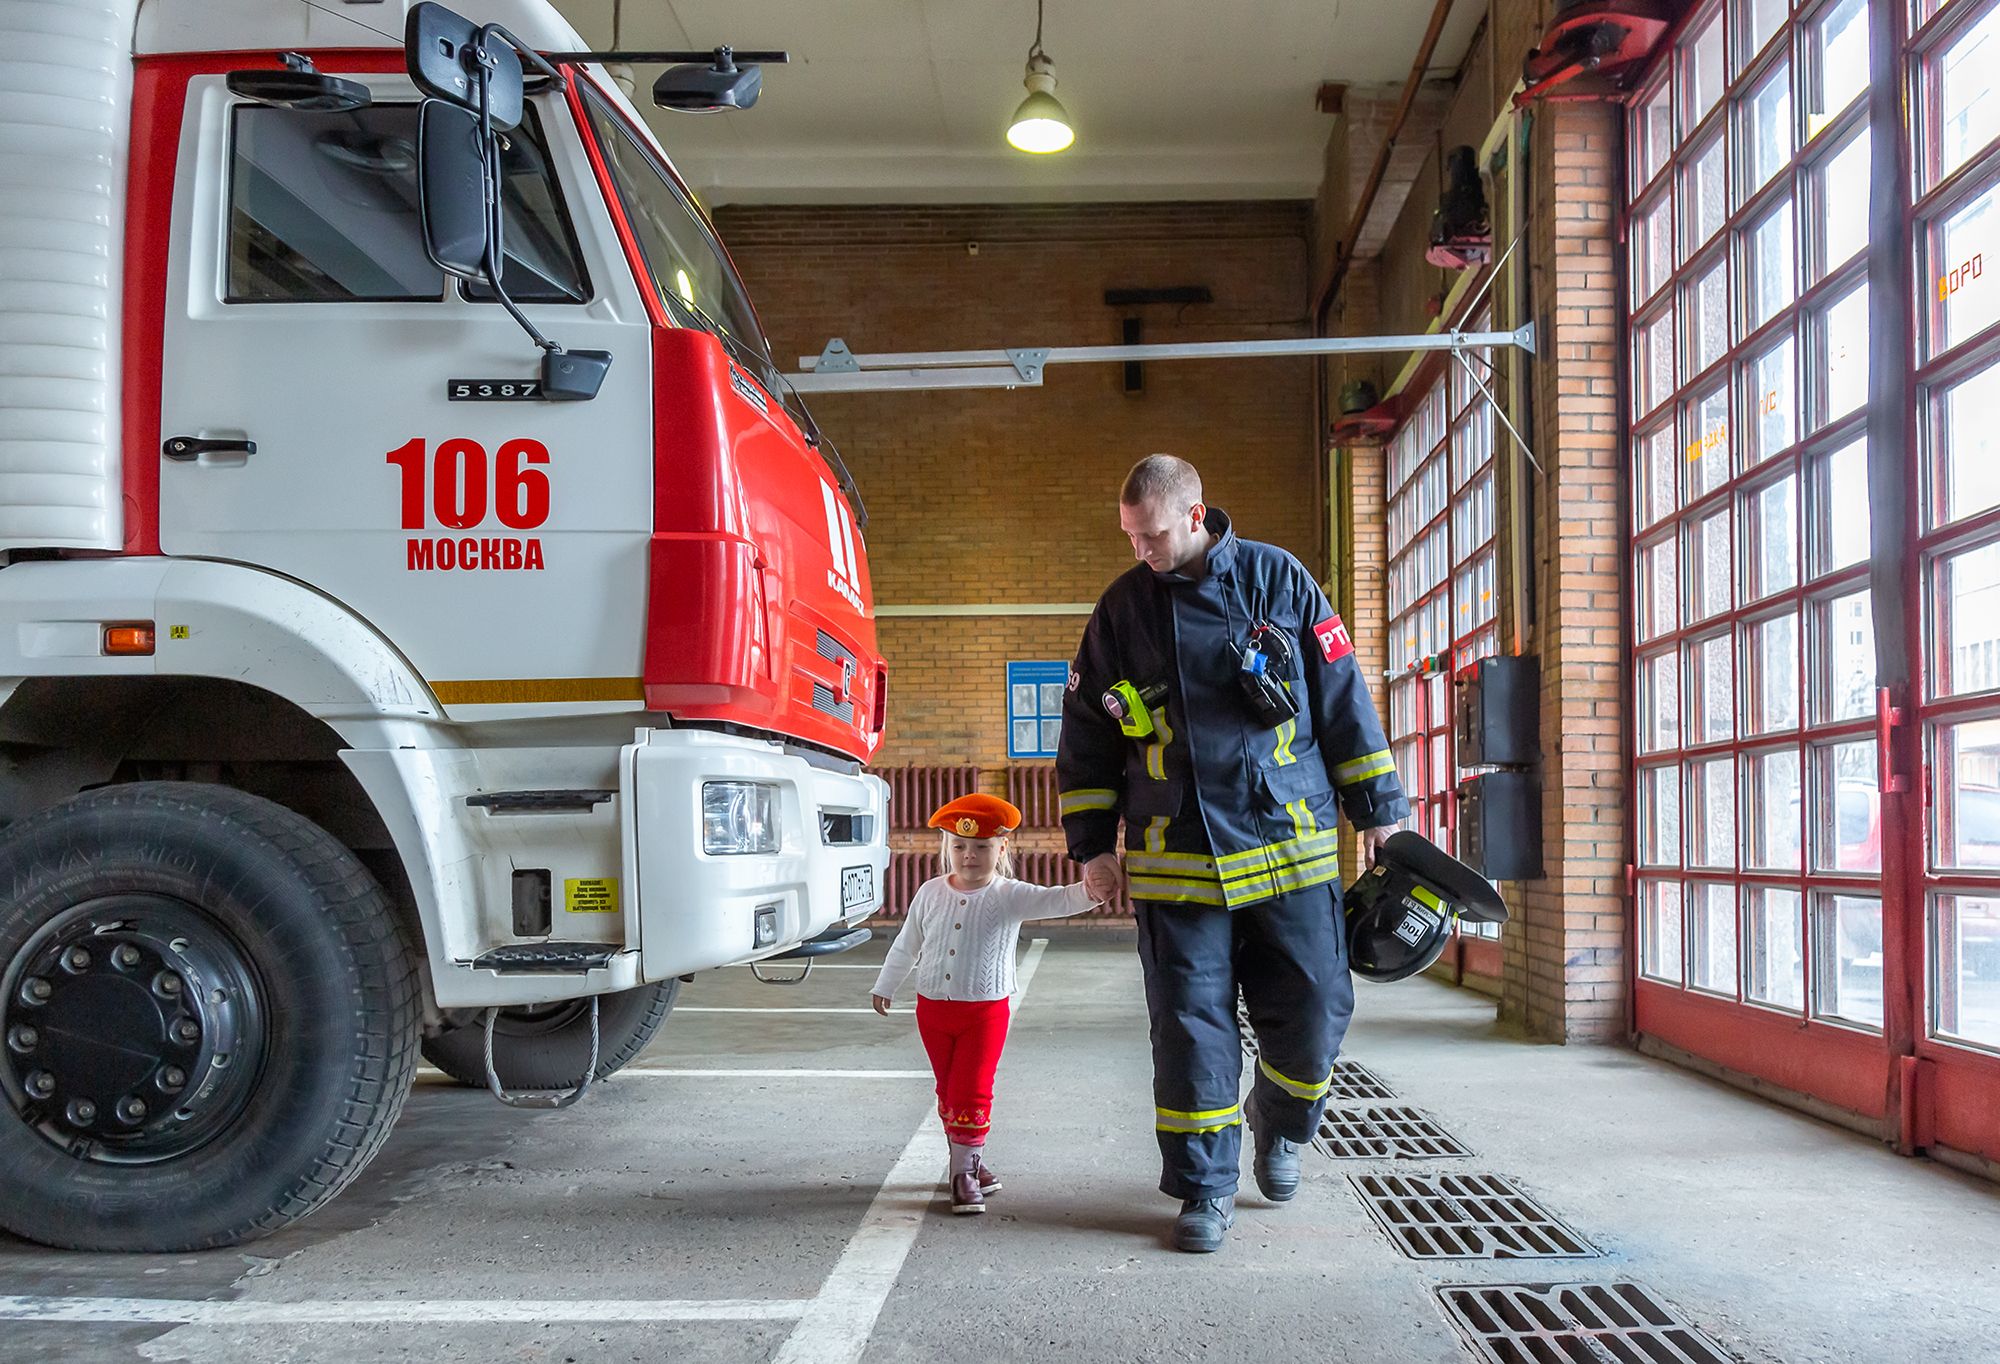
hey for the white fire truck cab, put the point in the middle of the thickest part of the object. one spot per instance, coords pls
(375, 678)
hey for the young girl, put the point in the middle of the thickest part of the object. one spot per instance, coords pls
(959, 938)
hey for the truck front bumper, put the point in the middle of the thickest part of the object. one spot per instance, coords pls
(697, 909)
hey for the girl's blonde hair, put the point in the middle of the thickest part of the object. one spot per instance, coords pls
(1004, 867)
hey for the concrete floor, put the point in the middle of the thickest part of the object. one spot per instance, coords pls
(738, 1216)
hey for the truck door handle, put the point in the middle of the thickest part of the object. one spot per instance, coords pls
(185, 448)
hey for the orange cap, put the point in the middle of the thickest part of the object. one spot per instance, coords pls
(977, 816)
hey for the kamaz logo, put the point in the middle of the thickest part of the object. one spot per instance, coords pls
(840, 537)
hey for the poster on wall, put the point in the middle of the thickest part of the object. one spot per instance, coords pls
(1034, 707)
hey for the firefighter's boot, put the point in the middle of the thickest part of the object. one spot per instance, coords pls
(1200, 1227)
(1276, 1165)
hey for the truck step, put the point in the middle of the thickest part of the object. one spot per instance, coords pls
(539, 802)
(556, 957)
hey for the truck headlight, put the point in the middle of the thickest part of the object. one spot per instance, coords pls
(739, 817)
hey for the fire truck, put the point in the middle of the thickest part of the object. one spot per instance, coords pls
(429, 622)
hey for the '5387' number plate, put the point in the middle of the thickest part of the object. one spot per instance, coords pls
(492, 390)
(857, 887)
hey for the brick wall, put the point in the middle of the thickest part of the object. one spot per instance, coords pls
(1011, 496)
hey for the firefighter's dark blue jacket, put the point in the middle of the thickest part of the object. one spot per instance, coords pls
(1220, 809)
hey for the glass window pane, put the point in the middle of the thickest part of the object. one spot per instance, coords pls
(1771, 663)
(1847, 811)
(1840, 507)
(1771, 532)
(1659, 474)
(1839, 42)
(1704, 194)
(1965, 968)
(1660, 931)
(1708, 559)
(1968, 806)
(1968, 109)
(1660, 816)
(1770, 397)
(1652, 247)
(1967, 459)
(1653, 139)
(1767, 128)
(1769, 282)
(1702, 70)
(1705, 317)
(1659, 587)
(1761, 19)
(1843, 357)
(1712, 805)
(1967, 621)
(1847, 958)
(1964, 300)
(1845, 649)
(1772, 799)
(1712, 938)
(1653, 365)
(1842, 202)
(1711, 691)
(1660, 702)
(1705, 429)
(1774, 967)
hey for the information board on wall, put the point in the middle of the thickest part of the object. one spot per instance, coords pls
(1034, 707)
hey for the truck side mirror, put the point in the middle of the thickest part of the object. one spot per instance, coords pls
(444, 52)
(451, 188)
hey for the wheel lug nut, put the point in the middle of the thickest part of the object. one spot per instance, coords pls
(126, 955)
(41, 1084)
(24, 1038)
(186, 1031)
(36, 990)
(167, 983)
(82, 1112)
(132, 1109)
(77, 959)
(172, 1078)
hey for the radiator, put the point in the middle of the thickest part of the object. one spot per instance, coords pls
(1034, 790)
(914, 792)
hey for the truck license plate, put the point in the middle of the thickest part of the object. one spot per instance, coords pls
(857, 887)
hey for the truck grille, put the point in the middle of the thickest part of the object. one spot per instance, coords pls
(824, 703)
(833, 650)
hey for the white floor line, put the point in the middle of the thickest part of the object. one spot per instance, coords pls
(779, 1074)
(838, 1322)
(779, 1009)
(441, 1310)
(817, 966)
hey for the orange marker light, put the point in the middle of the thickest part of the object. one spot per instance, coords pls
(128, 639)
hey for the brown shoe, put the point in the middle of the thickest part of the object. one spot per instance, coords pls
(965, 1195)
(989, 1183)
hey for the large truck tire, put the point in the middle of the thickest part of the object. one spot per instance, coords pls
(208, 1019)
(547, 1046)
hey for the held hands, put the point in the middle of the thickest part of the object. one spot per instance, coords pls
(1104, 880)
(881, 1003)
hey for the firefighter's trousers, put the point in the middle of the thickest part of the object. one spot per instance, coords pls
(1289, 955)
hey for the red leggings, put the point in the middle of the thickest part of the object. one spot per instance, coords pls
(964, 1039)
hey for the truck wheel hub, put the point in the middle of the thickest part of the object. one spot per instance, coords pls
(131, 1029)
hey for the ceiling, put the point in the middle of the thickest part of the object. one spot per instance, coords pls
(906, 101)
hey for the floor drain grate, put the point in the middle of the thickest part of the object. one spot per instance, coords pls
(1465, 1217)
(1575, 1323)
(1383, 1134)
(1354, 1083)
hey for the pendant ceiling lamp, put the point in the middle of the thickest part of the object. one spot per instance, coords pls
(1041, 124)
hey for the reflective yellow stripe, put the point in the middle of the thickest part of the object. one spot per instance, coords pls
(1179, 863)
(1088, 798)
(1212, 1120)
(1173, 890)
(1156, 751)
(1156, 834)
(1424, 897)
(1291, 850)
(1297, 1088)
(1376, 764)
(1286, 733)
(1297, 810)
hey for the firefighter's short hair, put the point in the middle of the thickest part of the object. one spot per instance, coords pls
(1162, 478)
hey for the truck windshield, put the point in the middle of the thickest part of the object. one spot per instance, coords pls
(691, 275)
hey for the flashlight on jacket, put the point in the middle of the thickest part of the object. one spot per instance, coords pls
(1132, 707)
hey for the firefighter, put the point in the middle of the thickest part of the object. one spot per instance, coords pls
(1215, 705)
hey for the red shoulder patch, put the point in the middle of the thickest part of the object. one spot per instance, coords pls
(1333, 639)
